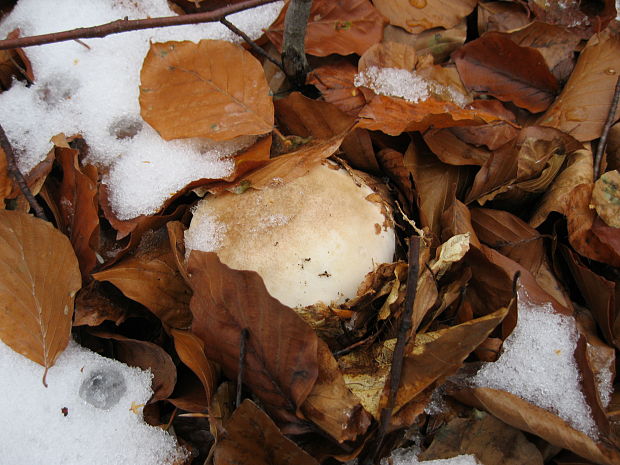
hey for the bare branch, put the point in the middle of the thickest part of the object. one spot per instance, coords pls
(294, 60)
(250, 42)
(610, 120)
(125, 25)
(18, 177)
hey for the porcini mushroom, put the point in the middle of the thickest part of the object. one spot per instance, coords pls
(312, 239)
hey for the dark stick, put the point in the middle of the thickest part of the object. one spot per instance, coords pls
(294, 60)
(18, 177)
(250, 42)
(244, 337)
(603, 142)
(401, 342)
(124, 25)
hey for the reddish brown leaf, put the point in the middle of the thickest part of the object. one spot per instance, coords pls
(211, 89)
(343, 28)
(501, 16)
(335, 82)
(438, 42)
(440, 354)
(359, 152)
(93, 307)
(456, 219)
(395, 116)
(252, 438)
(6, 183)
(416, 16)
(389, 55)
(40, 276)
(151, 278)
(14, 64)
(450, 149)
(191, 351)
(147, 356)
(582, 107)
(331, 405)
(527, 417)
(76, 197)
(189, 393)
(494, 64)
(281, 364)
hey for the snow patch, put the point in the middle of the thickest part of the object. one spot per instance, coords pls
(409, 456)
(84, 416)
(91, 88)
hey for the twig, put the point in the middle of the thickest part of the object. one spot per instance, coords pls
(124, 25)
(261, 51)
(603, 142)
(18, 177)
(294, 60)
(401, 342)
(244, 337)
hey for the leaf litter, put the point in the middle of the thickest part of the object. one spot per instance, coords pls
(480, 138)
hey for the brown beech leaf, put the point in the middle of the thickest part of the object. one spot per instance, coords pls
(440, 354)
(490, 440)
(389, 55)
(343, 28)
(14, 64)
(580, 219)
(281, 365)
(76, 197)
(93, 307)
(331, 405)
(436, 184)
(395, 115)
(305, 117)
(210, 89)
(456, 219)
(527, 417)
(606, 198)
(416, 16)
(40, 276)
(582, 107)
(501, 16)
(191, 351)
(147, 356)
(151, 277)
(6, 183)
(252, 438)
(450, 149)
(335, 82)
(494, 64)
(189, 393)
(578, 171)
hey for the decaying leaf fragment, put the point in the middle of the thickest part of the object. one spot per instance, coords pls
(39, 276)
(211, 89)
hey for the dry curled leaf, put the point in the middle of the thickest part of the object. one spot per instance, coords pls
(191, 351)
(39, 278)
(210, 89)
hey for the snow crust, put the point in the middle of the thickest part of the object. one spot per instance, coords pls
(538, 365)
(395, 82)
(409, 456)
(91, 88)
(36, 431)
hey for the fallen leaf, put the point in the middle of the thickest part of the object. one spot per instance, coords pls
(40, 276)
(281, 365)
(210, 89)
(582, 107)
(581, 19)
(76, 197)
(148, 356)
(489, 439)
(389, 55)
(93, 307)
(151, 278)
(416, 16)
(501, 16)
(440, 354)
(495, 65)
(343, 28)
(252, 438)
(578, 171)
(606, 198)
(535, 420)
(6, 183)
(335, 82)
(189, 393)
(456, 219)
(450, 149)
(191, 351)
(331, 405)
(14, 64)
(438, 42)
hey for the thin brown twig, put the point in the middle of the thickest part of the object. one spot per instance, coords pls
(17, 175)
(253, 45)
(603, 141)
(125, 25)
(401, 342)
(242, 348)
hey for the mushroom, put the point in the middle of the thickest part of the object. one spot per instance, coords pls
(312, 239)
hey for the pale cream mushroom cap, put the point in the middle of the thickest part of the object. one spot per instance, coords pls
(312, 239)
